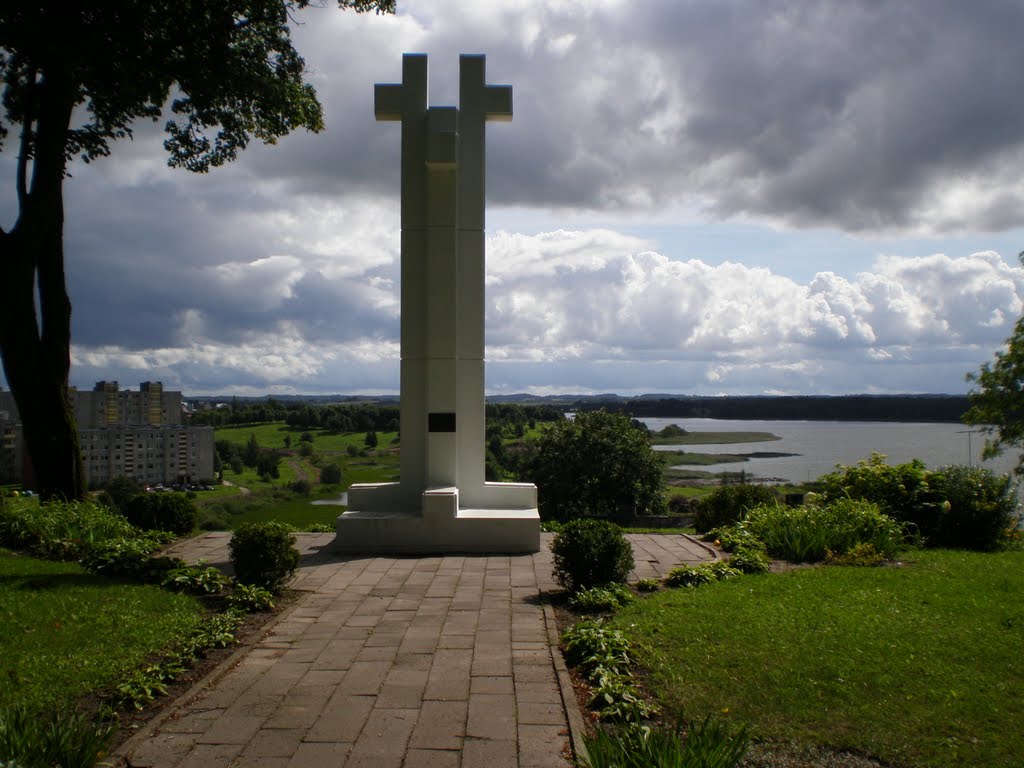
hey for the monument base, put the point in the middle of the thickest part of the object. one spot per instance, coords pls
(377, 521)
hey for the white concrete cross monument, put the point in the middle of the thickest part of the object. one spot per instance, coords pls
(442, 502)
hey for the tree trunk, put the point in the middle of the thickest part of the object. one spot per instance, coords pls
(36, 346)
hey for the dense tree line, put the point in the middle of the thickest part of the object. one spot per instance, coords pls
(264, 460)
(914, 408)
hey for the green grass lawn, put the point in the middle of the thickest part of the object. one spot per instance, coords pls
(918, 665)
(65, 632)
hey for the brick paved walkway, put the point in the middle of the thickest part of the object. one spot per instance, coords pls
(390, 661)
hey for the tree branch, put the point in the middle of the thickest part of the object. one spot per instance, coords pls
(26, 143)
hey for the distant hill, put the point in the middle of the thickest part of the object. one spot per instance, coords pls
(915, 408)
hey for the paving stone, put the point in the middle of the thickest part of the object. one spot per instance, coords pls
(431, 758)
(537, 693)
(320, 755)
(232, 730)
(342, 719)
(384, 738)
(490, 753)
(364, 678)
(441, 725)
(378, 653)
(250, 761)
(531, 713)
(449, 675)
(491, 716)
(403, 688)
(279, 742)
(206, 755)
(543, 746)
(191, 721)
(162, 749)
(298, 712)
(492, 684)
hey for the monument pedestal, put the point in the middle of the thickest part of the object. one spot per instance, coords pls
(442, 502)
(377, 522)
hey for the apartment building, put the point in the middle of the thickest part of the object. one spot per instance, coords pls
(124, 433)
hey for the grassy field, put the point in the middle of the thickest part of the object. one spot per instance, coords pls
(65, 632)
(918, 665)
(227, 508)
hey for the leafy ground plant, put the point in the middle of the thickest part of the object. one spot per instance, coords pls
(712, 744)
(917, 665)
(604, 599)
(699, 575)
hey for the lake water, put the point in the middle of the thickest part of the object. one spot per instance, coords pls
(821, 445)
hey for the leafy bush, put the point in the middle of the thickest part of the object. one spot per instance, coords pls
(805, 534)
(980, 507)
(596, 464)
(196, 580)
(708, 745)
(728, 504)
(264, 554)
(590, 645)
(590, 553)
(130, 557)
(601, 599)
(250, 599)
(65, 738)
(904, 492)
(699, 575)
(330, 474)
(172, 512)
(616, 698)
(750, 560)
(300, 486)
(59, 530)
(648, 585)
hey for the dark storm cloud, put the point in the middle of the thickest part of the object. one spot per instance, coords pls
(855, 115)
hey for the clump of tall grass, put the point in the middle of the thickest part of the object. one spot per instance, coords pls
(710, 744)
(64, 738)
(809, 533)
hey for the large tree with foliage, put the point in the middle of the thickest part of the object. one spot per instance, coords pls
(997, 401)
(597, 464)
(75, 77)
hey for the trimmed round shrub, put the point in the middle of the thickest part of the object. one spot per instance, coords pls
(590, 553)
(264, 555)
(728, 504)
(980, 507)
(173, 512)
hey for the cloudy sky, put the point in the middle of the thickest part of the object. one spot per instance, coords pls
(705, 196)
